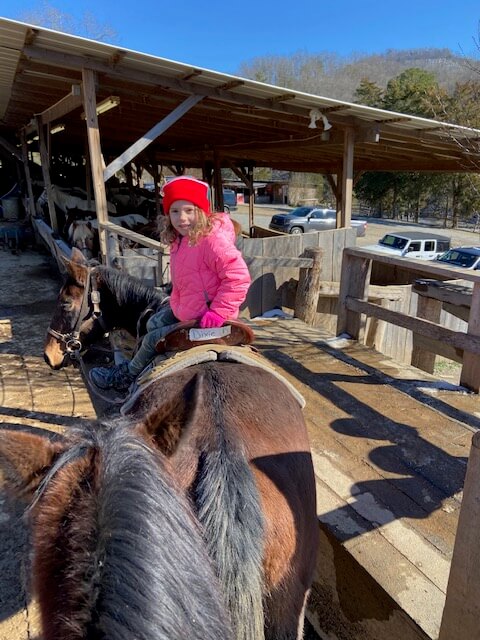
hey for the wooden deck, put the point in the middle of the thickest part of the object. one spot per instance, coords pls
(390, 450)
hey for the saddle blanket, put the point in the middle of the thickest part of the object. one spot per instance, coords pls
(164, 366)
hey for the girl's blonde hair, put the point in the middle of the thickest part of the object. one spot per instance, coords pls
(203, 227)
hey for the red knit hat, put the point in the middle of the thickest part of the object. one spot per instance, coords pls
(184, 188)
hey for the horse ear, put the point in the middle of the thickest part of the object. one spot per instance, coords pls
(170, 422)
(77, 257)
(25, 458)
(76, 266)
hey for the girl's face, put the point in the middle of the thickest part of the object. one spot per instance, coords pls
(183, 216)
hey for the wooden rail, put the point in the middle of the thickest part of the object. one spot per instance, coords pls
(113, 231)
(353, 306)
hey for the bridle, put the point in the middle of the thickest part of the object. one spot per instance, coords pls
(72, 342)
(91, 296)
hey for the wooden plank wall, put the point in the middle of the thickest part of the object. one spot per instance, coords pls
(269, 284)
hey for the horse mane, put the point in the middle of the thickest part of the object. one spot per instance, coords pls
(130, 290)
(228, 506)
(143, 570)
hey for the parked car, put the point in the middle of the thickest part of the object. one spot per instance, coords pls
(304, 219)
(463, 257)
(412, 244)
(229, 200)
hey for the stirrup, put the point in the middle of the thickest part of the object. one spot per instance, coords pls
(186, 335)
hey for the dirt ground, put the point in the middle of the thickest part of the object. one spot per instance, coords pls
(32, 396)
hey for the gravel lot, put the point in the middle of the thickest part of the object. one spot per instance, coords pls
(376, 227)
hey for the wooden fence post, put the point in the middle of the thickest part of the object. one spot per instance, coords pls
(461, 614)
(429, 309)
(354, 282)
(308, 290)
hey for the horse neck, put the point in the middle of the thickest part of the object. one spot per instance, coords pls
(143, 534)
(124, 299)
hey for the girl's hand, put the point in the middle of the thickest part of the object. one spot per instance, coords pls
(211, 319)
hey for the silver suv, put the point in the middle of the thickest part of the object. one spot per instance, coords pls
(304, 219)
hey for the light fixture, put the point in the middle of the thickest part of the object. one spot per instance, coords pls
(32, 139)
(315, 115)
(57, 128)
(105, 105)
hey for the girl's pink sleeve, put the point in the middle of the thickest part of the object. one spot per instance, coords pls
(223, 257)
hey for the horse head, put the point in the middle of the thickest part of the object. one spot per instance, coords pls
(74, 323)
(83, 236)
(92, 301)
(116, 549)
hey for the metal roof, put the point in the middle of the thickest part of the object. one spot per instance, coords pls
(417, 235)
(238, 121)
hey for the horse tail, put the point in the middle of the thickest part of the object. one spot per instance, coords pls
(229, 509)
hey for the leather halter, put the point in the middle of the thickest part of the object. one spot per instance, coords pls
(91, 296)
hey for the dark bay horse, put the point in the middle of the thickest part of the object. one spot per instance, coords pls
(117, 551)
(80, 321)
(246, 430)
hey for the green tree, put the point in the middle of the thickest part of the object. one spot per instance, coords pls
(368, 93)
(411, 92)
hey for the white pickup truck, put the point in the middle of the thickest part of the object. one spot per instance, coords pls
(412, 244)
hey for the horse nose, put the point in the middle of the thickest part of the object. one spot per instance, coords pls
(52, 366)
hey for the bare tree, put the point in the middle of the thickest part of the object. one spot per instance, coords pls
(51, 17)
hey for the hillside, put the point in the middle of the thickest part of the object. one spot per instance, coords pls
(329, 75)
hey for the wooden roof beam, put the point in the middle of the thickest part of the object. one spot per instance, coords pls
(11, 149)
(227, 86)
(141, 144)
(193, 73)
(67, 104)
(31, 36)
(116, 57)
(174, 83)
(282, 98)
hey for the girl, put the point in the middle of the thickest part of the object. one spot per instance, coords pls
(209, 276)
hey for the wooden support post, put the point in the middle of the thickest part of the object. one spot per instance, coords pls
(470, 376)
(429, 309)
(251, 200)
(308, 290)
(93, 133)
(461, 614)
(156, 185)
(28, 178)
(354, 282)
(345, 217)
(45, 160)
(88, 177)
(217, 180)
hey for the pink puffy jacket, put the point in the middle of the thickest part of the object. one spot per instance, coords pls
(211, 274)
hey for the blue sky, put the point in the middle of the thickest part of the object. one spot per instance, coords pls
(222, 35)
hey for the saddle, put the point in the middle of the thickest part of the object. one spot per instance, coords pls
(186, 335)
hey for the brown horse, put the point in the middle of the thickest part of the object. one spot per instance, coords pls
(117, 551)
(246, 430)
(93, 301)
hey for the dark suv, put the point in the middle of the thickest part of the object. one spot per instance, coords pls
(304, 219)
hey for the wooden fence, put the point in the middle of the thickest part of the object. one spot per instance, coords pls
(354, 307)
(274, 281)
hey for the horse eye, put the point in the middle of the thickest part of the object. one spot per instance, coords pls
(67, 304)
